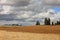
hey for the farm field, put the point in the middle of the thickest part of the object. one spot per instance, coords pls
(30, 32)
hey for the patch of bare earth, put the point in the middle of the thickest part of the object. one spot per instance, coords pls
(30, 33)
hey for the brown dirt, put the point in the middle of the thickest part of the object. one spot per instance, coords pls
(33, 29)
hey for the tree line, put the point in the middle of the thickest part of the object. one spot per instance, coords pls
(47, 21)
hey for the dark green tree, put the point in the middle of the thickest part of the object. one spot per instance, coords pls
(48, 21)
(52, 23)
(37, 23)
(45, 21)
(58, 22)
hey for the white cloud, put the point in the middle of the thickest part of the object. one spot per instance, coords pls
(57, 17)
(49, 13)
(25, 14)
(3, 1)
(5, 10)
(28, 10)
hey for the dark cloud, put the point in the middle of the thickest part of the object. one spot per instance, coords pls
(16, 3)
(7, 17)
(22, 3)
(51, 2)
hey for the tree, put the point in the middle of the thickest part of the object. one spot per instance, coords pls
(58, 22)
(47, 21)
(52, 23)
(37, 23)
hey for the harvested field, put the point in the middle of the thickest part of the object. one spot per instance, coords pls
(30, 33)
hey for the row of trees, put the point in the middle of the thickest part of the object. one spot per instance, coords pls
(13, 24)
(48, 22)
(57, 23)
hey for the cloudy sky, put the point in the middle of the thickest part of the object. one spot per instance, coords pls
(27, 12)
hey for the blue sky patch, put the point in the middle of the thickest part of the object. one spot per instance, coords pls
(57, 9)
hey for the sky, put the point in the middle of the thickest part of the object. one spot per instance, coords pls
(27, 12)
(57, 9)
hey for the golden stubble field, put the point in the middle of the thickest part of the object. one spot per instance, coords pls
(30, 33)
